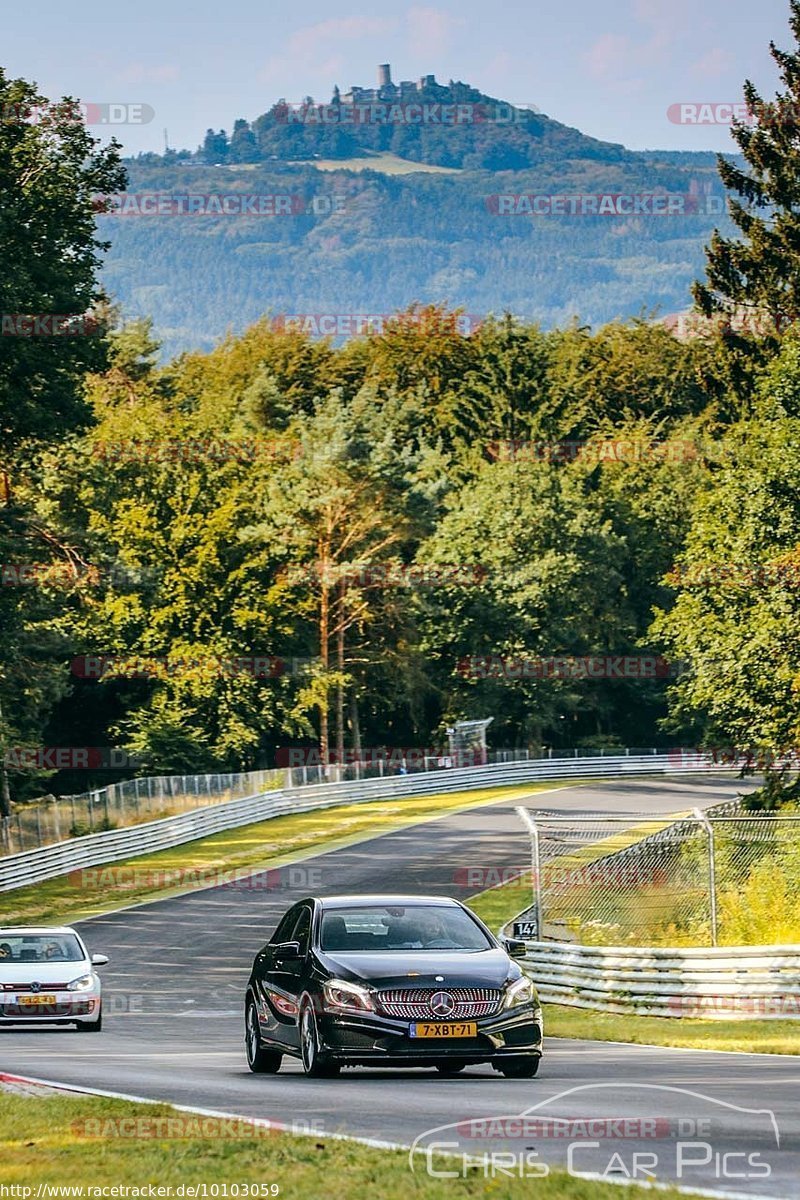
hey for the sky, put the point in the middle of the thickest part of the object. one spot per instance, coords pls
(611, 70)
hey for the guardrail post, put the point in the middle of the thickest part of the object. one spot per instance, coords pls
(712, 871)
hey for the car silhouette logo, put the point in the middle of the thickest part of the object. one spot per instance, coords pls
(442, 1004)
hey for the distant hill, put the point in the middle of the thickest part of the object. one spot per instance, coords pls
(452, 125)
(366, 216)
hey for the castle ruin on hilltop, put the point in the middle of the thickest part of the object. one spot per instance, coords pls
(388, 92)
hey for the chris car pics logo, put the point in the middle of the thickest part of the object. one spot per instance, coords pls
(619, 1130)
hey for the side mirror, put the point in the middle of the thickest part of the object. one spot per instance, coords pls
(515, 948)
(99, 960)
(287, 952)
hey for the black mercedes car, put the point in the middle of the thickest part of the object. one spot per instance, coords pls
(395, 981)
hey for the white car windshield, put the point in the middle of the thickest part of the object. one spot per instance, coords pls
(39, 948)
(417, 927)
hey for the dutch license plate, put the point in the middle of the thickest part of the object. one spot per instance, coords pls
(35, 1001)
(448, 1029)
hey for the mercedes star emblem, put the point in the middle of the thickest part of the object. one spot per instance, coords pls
(442, 1004)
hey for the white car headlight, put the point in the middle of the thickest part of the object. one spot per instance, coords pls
(341, 995)
(83, 984)
(519, 992)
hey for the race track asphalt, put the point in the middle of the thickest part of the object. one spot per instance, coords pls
(173, 1026)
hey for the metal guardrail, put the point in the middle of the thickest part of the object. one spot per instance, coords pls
(33, 866)
(130, 802)
(752, 982)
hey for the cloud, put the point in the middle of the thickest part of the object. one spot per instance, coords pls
(714, 63)
(429, 31)
(610, 53)
(313, 50)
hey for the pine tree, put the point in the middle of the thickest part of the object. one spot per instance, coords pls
(762, 272)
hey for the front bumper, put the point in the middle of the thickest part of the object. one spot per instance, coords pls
(370, 1038)
(67, 1007)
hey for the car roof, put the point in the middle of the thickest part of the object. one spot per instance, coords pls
(25, 930)
(391, 900)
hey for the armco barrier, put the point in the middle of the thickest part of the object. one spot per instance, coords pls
(33, 866)
(752, 982)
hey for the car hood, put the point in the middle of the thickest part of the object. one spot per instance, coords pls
(410, 969)
(55, 972)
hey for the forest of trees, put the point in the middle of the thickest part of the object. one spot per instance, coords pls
(370, 520)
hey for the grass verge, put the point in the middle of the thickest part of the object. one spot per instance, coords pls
(267, 844)
(42, 1142)
(757, 1036)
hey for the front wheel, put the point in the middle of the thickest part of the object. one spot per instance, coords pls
(450, 1068)
(519, 1068)
(316, 1064)
(259, 1060)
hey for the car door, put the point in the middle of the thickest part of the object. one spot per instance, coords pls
(283, 974)
(278, 1009)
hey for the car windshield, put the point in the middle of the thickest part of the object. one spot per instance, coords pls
(39, 948)
(417, 927)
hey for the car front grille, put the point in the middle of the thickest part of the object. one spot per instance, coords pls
(46, 988)
(414, 1003)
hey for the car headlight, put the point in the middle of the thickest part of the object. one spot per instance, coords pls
(340, 995)
(83, 984)
(519, 992)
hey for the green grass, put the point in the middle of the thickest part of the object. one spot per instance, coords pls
(386, 163)
(267, 844)
(758, 1036)
(42, 1142)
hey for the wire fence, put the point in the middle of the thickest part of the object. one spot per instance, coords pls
(718, 877)
(130, 802)
(56, 818)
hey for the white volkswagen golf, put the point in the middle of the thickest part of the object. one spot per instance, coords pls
(47, 977)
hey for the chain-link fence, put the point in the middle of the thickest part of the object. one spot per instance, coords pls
(128, 803)
(385, 761)
(717, 878)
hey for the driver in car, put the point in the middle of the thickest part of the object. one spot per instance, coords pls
(432, 930)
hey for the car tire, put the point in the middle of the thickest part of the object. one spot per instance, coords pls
(316, 1064)
(519, 1068)
(450, 1068)
(93, 1027)
(260, 1060)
